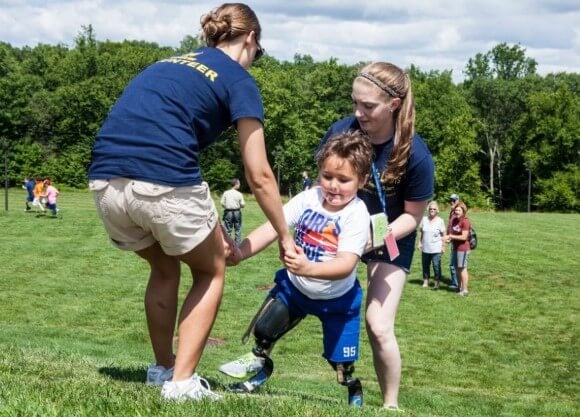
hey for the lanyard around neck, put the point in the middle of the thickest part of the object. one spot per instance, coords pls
(379, 189)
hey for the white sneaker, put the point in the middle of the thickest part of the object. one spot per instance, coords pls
(195, 388)
(158, 375)
(243, 365)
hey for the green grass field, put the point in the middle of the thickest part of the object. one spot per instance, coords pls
(73, 339)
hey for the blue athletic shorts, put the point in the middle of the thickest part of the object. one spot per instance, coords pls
(340, 317)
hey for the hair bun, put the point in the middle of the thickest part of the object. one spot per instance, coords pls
(228, 21)
(215, 28)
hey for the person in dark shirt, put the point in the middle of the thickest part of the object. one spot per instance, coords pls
(147, 184)
(401, 187)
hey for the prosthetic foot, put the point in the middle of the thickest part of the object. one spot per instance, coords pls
(243, 366)
(355, 393)
(253, 383)
(344, 377)
(272, 321)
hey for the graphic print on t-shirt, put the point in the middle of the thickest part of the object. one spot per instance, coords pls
(190, 60)
(317, 234)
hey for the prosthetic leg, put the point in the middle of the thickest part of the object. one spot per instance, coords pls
(253, 383)
(344, 377)
(272, 321)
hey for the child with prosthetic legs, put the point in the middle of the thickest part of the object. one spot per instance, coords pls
(331, 230)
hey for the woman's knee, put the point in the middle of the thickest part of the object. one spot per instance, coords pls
(379, 330)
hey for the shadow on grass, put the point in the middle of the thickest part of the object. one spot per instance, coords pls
(311, 397)
(267, 392)
(140, 375)
(124, 374)
(49, 216)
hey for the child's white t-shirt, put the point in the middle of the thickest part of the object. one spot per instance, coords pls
(322, 234)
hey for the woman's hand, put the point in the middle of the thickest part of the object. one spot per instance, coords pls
(287, 246)
(227, 241)
(235, 257)
(297, 262)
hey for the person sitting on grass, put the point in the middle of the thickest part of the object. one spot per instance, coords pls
(331, 230)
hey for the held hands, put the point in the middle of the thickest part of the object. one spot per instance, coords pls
(235, 257)
(286, 246)
(227, 241)
(297, 262)
(231, 250)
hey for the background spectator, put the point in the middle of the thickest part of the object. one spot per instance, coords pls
(232, 201)
(453, 283)
(431, 244)
(459, 230)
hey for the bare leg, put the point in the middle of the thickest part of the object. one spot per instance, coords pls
(207, 265)
(161, 302)
(385, 288)
(462, 272)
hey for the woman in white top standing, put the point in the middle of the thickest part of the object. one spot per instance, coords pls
(431, 245)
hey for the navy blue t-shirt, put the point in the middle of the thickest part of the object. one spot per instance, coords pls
(170, 112)
(415, 185)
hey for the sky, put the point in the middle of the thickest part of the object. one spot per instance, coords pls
(431, 34)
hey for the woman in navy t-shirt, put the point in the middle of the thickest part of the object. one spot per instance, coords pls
(383, 109)
(149, 192)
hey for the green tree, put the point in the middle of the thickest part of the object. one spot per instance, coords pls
(496, 87)
(503, 62)
(301, 100)
(445, 122)
(188, 44)
(550, 145)
(560, 192)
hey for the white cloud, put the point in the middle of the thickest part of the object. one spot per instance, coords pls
(436, 35)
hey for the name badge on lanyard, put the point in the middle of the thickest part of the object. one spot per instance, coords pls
(388, 237)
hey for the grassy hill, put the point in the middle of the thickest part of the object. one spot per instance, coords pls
(73, 340)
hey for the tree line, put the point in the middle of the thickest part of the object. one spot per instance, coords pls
(504, 138)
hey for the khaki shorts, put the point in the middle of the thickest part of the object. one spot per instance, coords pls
(136, 214)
